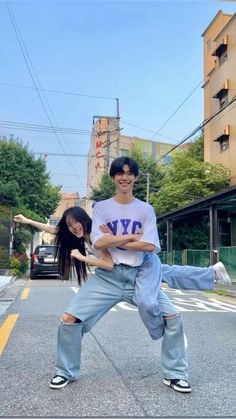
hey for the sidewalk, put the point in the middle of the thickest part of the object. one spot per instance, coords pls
(5, 281)
(229, 290)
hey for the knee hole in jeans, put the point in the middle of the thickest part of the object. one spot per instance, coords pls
(169, 316)
(68, 318)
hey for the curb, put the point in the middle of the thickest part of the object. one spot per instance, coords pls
(228, 293)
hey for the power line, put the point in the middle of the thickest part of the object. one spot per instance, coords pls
(168, 119)
(31, 71)
(66, 174)
(177, 109)
(198, 128)
(43, 128)
(147, 130)
(45, 153)
(60, 92)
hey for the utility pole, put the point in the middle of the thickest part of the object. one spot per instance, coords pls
(148, 184)
(118, 127)
(107, 163)
(148, 187)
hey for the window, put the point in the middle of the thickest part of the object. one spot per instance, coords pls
(223, 139)
(224, 144)
(223, 99)
(224, 232)
(223, 57)
(222, 94)
(124, 152)
(221, 50)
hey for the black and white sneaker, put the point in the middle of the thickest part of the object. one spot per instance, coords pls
(182, 386)
(59, 382)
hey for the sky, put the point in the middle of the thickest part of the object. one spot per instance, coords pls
(62, 62)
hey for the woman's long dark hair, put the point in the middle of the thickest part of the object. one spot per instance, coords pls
(66, 241)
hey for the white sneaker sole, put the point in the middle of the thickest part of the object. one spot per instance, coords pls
(55, 386)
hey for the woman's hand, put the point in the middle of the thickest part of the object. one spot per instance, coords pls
(75, 253)
(19, 218)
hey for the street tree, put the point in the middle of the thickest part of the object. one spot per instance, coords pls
(196, 148)
(25, 182)
(25, 188)
(185, 180)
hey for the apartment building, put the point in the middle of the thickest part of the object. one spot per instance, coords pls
(219, 56)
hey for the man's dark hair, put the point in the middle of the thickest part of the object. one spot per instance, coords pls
(118, 164)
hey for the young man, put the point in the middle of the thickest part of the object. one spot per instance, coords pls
(133, 224)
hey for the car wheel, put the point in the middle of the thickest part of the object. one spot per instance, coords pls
(32, 276)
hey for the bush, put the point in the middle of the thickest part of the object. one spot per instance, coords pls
(4, 257)
(19, 263)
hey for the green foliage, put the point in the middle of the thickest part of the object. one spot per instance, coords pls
(19, 263)
(9, 194)
(196, 148)
(191, 234)
(4, 257)
(146, 165)
(22, 239)
(105, 189)
(4, 233)
(25, 188)
(186, 180)
(25, 181)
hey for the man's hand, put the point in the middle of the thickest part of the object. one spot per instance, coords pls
(131, 237)
(105, 229)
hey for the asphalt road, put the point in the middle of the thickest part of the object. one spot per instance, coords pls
(120, 375)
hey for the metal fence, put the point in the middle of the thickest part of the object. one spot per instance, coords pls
(201, 258)
(227, 255)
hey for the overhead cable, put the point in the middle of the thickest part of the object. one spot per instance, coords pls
(60, 92)
(197, 129)
(44, 128)
(31, 71)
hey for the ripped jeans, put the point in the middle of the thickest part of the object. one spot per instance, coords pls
(148, 280)
(104, 290)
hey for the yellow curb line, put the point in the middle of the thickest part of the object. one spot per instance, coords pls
(6, 329)
(25, 294)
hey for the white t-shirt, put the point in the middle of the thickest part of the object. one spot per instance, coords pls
(135, 217)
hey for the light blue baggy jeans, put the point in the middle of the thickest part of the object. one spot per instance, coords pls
(96, 297)
(149, 277)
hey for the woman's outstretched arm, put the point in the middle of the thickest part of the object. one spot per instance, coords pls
(41, 226)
